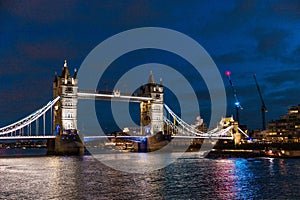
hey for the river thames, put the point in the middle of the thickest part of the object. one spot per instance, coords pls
(189, 177)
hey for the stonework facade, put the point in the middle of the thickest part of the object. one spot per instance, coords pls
(152, 112)
(65, 110)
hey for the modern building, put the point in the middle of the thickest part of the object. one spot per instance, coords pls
(287, 128)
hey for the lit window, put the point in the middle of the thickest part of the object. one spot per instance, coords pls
(293, 111)
(69, 125)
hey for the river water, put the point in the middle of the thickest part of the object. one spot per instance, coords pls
(189, 177)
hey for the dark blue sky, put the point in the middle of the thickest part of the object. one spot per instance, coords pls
(245, 37)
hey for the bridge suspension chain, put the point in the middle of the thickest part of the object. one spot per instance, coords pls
(181, 122)
(28, 120)
(187, 129)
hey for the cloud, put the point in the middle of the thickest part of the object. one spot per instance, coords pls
(295, 55)
(233, 19)
(138, 11)
(232, 57)
(12, 66)
(287, 9)
(281, 89)
(49, 49)
(290, 59)
(41, 11)
(271, 42)
(279, 79)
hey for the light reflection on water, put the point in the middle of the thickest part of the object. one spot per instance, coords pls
(190, 177)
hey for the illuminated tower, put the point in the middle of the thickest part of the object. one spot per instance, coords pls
(152, 111)
(65, 110)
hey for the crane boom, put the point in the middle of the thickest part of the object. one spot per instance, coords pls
(263, 107)
(236, 103)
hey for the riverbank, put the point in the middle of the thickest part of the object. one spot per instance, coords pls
(250, 150)
(220, 150)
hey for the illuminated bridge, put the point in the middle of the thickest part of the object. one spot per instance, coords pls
(57, 120)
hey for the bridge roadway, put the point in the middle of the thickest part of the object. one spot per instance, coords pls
(108, 136)
(141, 136)
(115, 95)
(27, 137)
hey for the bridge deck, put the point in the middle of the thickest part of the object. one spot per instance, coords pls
(27, 137)
(173, 136)
(87, 138)
(112, 96)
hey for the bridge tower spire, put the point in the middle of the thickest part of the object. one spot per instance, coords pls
(152, 111)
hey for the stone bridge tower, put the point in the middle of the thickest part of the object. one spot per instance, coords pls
(67, 140)
(65, 111)
(152, 112)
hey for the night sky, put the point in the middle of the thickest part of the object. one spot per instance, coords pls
(245, 37)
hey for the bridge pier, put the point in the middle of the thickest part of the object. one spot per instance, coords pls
(152, 143)
(62, 145)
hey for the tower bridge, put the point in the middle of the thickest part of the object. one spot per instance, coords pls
(63, 136)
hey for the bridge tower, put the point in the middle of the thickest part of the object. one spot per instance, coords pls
(152, 111)
(65, 113)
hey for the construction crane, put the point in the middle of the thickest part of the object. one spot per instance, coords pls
(263, 107)
(237, 104)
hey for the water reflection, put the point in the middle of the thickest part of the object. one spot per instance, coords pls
(245, 179)
(137, 162)
(236, 180)
(188, 178)
(271, 166)
(224, 178)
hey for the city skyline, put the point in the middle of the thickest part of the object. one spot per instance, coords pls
(245, 37)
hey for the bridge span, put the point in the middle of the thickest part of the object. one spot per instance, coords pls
(62, 117)
(111, 96)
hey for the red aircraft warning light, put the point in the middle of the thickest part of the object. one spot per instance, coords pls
(227, 73)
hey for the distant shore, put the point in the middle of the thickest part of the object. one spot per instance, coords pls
(220, 150)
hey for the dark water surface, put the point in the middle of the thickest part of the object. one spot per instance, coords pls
(190, 177)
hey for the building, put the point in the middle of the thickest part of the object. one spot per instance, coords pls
(287, 128)
(260, 134)
(67, 140)
(65, 110)
(152, 112)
